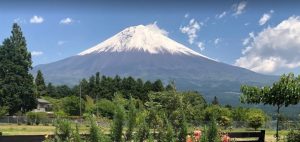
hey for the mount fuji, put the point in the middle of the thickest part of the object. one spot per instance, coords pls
(146, 52)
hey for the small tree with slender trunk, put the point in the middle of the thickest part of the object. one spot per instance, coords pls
(282, 93)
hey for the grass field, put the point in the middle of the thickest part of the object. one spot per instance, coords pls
(13, 129)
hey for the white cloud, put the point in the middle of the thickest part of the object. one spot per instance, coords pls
(246, 24)
(201, 46)
(191, 30)
(274, 48)
(239, 8)
(265, 18)
(247, 40)
(217, 41)
(221, 15)
(154, 27)
(36, 19)
(66, 21)
(186, 15)
(36, 53)
(61, 42)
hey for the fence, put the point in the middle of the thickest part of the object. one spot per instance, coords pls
(44, 121)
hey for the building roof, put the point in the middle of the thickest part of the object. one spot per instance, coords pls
(43, 101)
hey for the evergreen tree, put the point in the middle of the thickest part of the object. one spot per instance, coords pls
(118, 124)
(131, 120)
(51, 91)
(215, 101)
(40, 84)
(158, 86)
(16, 82)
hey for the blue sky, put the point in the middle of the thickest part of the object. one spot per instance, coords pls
(242, 33)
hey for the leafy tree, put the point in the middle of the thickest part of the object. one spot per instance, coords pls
(16, 84)
(282, 93)
(71, 105)
(255, 118)
(106, 108)
(3, 110)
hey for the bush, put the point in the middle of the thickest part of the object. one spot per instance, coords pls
(256, 120)
(212, 132)
(63, 130)
(293, 136)
(36, 118)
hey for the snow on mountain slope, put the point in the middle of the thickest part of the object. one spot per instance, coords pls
(141, 38)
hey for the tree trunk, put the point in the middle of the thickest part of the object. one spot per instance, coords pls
(277, 124)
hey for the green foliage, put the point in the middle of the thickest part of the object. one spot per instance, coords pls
(131, 123)
(40, 84)
(118, 123)
(63, 130)
(3, 110)
(282, 93)
(256, 118)
(106, 108)
(194, 104)
(182, 128)
(293, 136)
(217, 112)
(95, 133)
(17, 90)
(225, 121)
(90, 105)
(143, 129)
(76, 135)
(36, 118)
(71, 105)
(212, 132)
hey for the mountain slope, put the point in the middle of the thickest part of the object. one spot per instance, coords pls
(144, 52)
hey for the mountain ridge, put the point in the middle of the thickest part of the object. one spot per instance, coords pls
(148, 54)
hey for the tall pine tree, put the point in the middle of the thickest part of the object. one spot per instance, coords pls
(16, 84)
(40, 84)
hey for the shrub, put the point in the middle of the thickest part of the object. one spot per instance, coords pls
(293, 136)
(36, 118)
(63, 130)
(256, 118)
(212, 132)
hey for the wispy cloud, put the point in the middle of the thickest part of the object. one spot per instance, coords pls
(186, 15)
(37, 53)
(66, 21)
(19, 20)
(265, 18)
(154, 27)
(223, 14)
(37, 19)
(217, 41)
(201, 46)
(61, 42)
(239, 8)
(191, 30)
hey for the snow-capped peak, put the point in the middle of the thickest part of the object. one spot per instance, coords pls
(147, 38)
